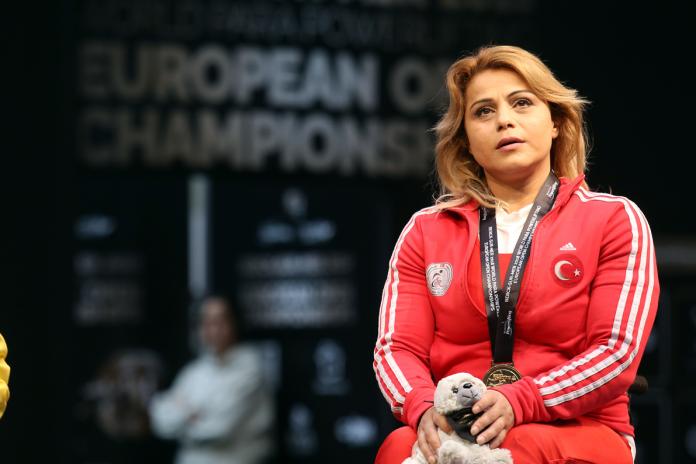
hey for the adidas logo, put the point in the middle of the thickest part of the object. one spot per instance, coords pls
(568, 247)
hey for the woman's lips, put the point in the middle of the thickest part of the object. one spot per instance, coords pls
(511, 146)
(507, 141)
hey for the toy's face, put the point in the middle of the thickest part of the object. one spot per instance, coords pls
(457, 392)
(467, 393)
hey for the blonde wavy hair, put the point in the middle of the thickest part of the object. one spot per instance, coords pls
(460, 177)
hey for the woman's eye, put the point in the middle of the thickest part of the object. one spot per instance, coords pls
(523, 102)
(483, 111)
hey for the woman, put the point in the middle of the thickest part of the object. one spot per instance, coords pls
(558, 337)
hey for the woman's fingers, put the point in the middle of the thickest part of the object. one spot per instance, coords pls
(491, 427)
(428, 439)
(484, 403)
(490, 416)
(494, 405)
(492, 432)
(434, 442)
(425, 446)
(442, 424)
(499, 439)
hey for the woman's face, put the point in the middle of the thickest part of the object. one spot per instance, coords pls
(509, 128)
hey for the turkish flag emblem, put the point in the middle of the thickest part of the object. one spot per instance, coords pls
(567, 270)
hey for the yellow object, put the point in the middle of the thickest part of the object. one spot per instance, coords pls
(4, 376)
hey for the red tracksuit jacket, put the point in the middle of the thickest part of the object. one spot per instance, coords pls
(587, 304)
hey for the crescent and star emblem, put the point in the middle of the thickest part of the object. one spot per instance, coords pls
(559, 273)
(568, 270)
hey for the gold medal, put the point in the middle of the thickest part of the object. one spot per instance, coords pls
(500, 374)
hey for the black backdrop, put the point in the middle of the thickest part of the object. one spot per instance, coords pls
(627, 59)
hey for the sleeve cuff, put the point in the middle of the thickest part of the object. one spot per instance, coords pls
(524, 398)
(417, 402)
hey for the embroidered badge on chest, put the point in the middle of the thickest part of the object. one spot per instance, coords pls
(439, 276)
(567, 270)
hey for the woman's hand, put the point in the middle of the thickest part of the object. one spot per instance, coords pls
(497, 419)
(428, 439)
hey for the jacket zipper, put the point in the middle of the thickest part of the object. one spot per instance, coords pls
(527, 276)
(470, 249)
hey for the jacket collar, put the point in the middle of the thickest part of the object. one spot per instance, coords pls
(566, 189)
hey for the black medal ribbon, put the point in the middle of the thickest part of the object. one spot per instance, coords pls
(502, 300)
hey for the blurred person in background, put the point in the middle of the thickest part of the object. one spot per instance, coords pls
(218, 407)
(4, 377)
(553, 318)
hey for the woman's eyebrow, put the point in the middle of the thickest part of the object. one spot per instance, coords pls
(488, 100)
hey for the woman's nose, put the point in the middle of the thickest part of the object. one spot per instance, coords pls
(505, 118)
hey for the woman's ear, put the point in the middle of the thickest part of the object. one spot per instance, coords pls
(555, 130)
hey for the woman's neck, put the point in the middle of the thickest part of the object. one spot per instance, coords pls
(516, 195)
